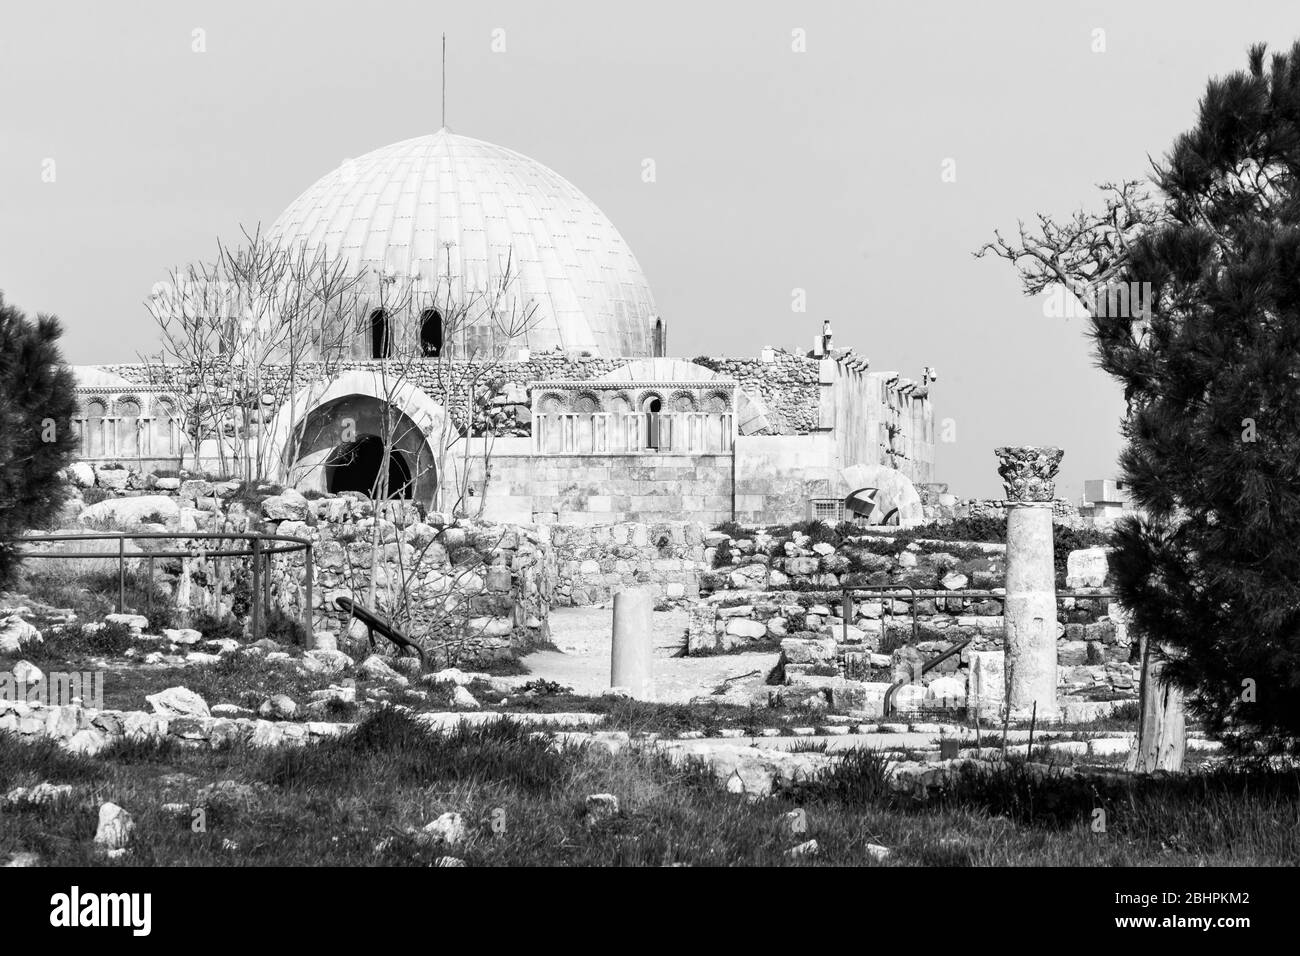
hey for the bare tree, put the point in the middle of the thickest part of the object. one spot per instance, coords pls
(236, 334)
(427, 582)
(1084, 253)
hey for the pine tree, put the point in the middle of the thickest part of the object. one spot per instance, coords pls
(1210, 365)
(36, 439)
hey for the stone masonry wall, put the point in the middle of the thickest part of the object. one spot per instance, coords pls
(611, 489)
(593, 564)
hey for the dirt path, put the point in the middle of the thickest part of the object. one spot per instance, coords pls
(583, 636)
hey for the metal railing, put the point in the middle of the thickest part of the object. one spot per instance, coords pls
(262, 549)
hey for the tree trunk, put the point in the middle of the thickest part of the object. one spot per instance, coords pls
(1162, 729)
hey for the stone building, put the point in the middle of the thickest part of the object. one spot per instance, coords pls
(581, 419)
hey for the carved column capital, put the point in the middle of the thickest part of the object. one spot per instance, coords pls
(1029, 472)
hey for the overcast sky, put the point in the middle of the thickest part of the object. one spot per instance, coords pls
(776, 170)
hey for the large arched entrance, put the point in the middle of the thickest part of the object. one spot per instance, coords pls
(359, 466)
(340, 446)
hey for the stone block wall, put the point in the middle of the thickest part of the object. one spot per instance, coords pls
(1093, 646)
(592, 564)
(610, 489)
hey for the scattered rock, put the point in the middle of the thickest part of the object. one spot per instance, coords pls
(601, 807)
(115, 826)
(288, 506)
(114, 478)
(40, 794)
(376, 668)
(24, 859)
(279, 707)
(878, 852)
(136, 623)
(462, 698)
(448, 829)
(335, 662)
(15, 632)
(80, 474)
(230, 710)
(178, 702)
(130, 511)
(25, 672)
(954, 581)
(182, 635)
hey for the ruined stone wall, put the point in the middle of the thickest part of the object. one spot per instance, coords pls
(594, 563)
(483, 585)
(789, 592)
(789, 386)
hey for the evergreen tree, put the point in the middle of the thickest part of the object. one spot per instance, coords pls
(1210, 365)
(36, 439)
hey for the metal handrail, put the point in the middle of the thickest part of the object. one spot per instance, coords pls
(256, 553)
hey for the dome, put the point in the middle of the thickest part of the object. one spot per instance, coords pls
(445, 205)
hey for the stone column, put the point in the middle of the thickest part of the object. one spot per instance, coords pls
(632, 655)
(1029, 636)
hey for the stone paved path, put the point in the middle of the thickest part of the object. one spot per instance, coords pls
(584, 635)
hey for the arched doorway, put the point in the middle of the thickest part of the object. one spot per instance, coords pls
(358, 466)
(430, 333)
(339, 446)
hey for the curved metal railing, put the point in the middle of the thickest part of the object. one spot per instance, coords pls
(262, 548)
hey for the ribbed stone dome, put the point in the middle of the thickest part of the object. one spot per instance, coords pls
(448, 205)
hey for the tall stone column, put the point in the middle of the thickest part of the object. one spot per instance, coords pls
(632, 653)
(1029, 635)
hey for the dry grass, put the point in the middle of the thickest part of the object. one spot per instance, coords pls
(361, 799)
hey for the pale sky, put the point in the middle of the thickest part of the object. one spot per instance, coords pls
(776, 170)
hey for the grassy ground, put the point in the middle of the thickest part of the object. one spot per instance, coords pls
(361, 799)
(667, 720)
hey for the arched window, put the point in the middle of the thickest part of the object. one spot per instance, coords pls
(381, 340)
(430, 333)
(653, 408)
(660, 345)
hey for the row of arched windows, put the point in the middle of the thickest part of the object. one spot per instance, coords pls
(381, 336)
